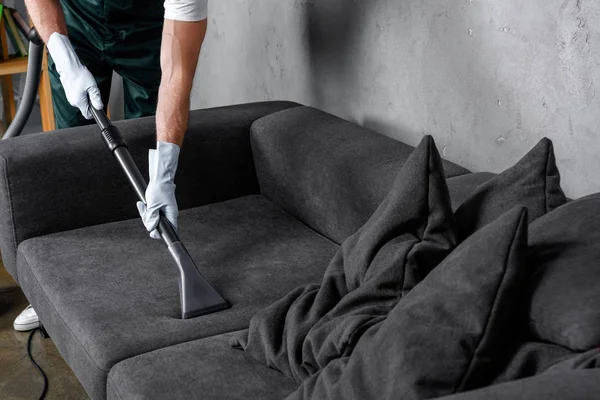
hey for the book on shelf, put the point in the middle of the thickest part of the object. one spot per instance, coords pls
(13, 32)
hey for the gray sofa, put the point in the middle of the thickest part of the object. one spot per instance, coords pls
(267, 193)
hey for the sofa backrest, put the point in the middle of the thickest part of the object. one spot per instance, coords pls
(329, 173)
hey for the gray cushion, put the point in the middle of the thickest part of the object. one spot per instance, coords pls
(57, 181)
(533, 182)
(108, 292)
(201, 369)
(462, 186)
(565, 288)
(326, 171)
(446, 334)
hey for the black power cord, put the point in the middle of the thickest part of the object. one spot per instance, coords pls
(35, 364)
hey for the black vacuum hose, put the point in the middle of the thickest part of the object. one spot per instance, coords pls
(32, 82)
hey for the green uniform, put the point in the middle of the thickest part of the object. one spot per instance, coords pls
(119, 35)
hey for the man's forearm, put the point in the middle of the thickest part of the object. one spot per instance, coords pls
(181, 43)
(47, 17)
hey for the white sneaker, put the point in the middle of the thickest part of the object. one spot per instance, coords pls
(27, 320)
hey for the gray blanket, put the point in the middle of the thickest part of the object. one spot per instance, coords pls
(407, 236)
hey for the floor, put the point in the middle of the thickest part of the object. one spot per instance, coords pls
(18, 377)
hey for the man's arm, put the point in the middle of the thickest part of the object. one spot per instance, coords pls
(183, 34)
(181, 43)
(47, 17)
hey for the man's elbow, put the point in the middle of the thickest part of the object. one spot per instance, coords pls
(176, 76)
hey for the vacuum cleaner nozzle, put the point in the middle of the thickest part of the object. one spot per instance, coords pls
(197, 296)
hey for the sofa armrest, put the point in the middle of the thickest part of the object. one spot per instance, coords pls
(62, 180)
(570, 385)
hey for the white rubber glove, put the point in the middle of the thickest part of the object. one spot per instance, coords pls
(160, 194)
(77, 81)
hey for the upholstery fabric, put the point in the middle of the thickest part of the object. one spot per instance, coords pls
(407, 236)
(587, 360)
(572, 385)
(329, 173)
(108, 292)
(62, 180)
(201, 369)
(526, 358)
(533, 182)
(443, 336)
(565, 289)
(462, 186)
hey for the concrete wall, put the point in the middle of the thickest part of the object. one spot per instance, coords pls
(487, 78)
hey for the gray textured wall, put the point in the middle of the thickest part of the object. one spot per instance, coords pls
(487, 78)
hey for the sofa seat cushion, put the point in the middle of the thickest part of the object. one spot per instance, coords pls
(206, 368)
(109, 292)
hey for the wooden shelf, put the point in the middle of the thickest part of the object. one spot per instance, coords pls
(13, 65)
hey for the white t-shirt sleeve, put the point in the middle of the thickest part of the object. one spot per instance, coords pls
(186, 10)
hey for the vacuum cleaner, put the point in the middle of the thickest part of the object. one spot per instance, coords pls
(197, 296)
(32, 81)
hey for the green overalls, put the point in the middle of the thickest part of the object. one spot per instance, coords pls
(119, 35)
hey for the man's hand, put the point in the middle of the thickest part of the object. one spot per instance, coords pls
(180, 50)
(77, 81)
(160, 194)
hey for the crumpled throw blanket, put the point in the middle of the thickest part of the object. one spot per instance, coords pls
(411, 231)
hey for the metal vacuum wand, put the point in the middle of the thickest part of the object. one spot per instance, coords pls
(197, 296)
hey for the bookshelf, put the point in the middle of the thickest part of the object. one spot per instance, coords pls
(16, 65)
